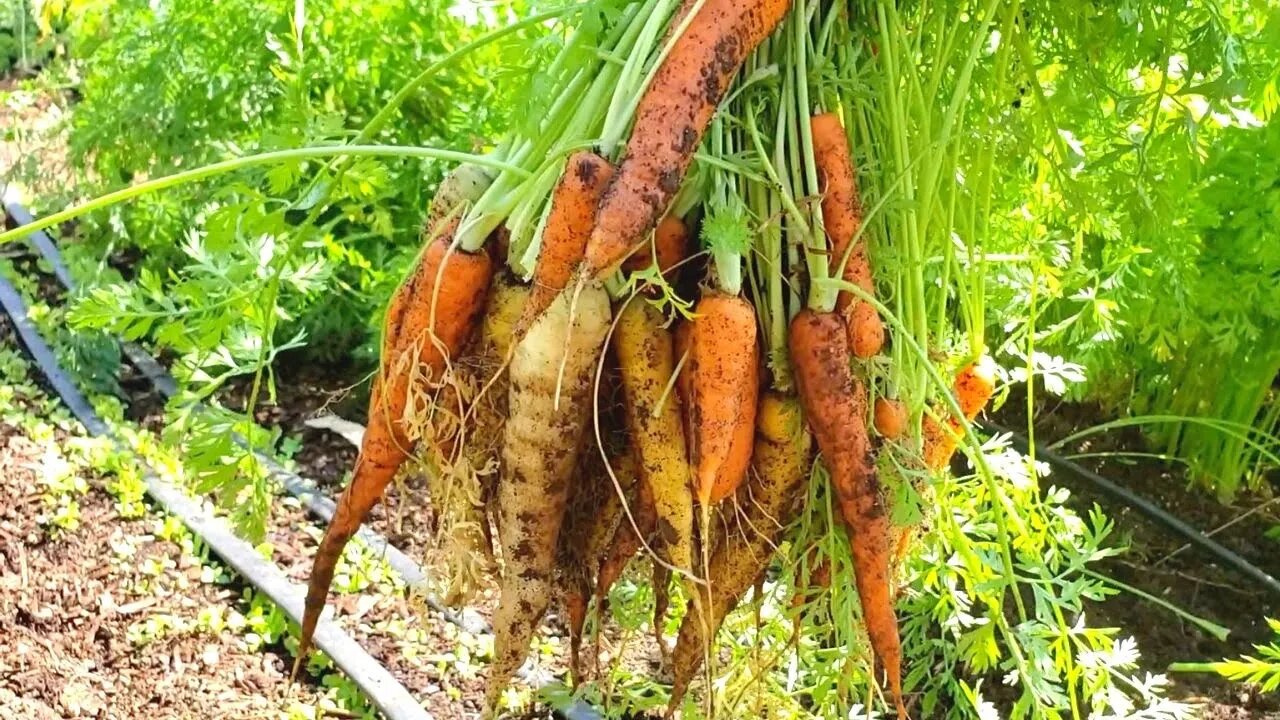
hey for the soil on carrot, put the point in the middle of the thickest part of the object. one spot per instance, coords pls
(451, 679)
(1159, 564)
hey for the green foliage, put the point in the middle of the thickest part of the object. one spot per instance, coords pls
(1149, 226)
(1262, 671)
(23, 46)
(178, 85)
(294, 256)
(1088, 172)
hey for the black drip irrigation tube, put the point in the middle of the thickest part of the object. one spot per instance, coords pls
(1170, 523)
(382, 689)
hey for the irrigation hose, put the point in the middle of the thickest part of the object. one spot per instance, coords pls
(1121, 494)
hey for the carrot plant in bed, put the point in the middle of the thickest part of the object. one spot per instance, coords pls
(1151, 233)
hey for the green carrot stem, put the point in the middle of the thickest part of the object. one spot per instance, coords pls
(268, 158)
(1217, 631)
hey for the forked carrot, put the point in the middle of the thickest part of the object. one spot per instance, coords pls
(564, 239)
(841, 220)
(670, 120)
(835, 404)
(429, 320)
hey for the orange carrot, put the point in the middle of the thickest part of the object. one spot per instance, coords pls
(573, 212)
(890, 418)
(974, 387)
(429, 320)
(835, 404)
(841, 219)
(722, 388)
(670, 120)
(670, 247)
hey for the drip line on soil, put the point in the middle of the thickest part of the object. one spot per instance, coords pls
(382, 689)
(307, 492)
(1166, 520)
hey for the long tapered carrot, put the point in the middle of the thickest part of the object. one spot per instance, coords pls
(835, 405)
(780, 465)
(431, 316)
(551, 373)
(670, 120)
(646, 364)
(841, 219)
(721, 390)
(564, 239)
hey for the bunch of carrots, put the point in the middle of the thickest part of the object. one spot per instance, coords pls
(673, 306)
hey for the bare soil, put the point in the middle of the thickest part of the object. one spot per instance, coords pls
(69, 601)
(33, 144)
